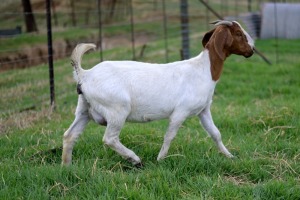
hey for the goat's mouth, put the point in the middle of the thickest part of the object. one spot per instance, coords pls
(249, 54)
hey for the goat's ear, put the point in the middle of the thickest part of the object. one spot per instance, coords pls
(222, 38)
(206, 37)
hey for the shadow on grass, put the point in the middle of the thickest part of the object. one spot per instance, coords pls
(51, 156)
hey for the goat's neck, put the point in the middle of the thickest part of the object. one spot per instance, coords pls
(216, 64)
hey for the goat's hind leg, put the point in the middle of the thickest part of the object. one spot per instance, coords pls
(208, 124)
(76, 128)
(111, 138)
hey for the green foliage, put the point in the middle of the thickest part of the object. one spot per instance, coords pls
(256, 107)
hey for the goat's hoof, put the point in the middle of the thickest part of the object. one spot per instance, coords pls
(160, 157)
(139, 165)
(230, 156)
(65, 164)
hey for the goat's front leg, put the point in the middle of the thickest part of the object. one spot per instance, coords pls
(111, 138)
(76, 128)
(175, 122)
(208, 124)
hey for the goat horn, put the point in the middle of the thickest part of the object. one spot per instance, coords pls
(214, 22)
(222, 22)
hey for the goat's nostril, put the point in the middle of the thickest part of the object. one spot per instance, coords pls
(249, 54)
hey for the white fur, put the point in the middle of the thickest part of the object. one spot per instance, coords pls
(146, 92)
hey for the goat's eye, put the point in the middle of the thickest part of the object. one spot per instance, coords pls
(239, 34)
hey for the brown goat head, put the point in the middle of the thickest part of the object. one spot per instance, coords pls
(228, 38)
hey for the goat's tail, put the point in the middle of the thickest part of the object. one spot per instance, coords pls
(76, 57)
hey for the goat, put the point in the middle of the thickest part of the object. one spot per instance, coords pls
(114, 92)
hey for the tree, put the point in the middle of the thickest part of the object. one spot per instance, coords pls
(29, 17)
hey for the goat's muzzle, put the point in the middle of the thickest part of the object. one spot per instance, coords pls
(249, 54)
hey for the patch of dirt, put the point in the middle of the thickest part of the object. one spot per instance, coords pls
(29, 56)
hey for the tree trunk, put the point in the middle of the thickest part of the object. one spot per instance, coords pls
(29, 17)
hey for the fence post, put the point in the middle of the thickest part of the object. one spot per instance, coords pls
(165, 30)
(184, 29)
(99, 6)
(50, 54)
(73, 16)
(132, 31)
(249, 6)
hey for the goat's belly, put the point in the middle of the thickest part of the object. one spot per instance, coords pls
(145, 117)
(97, 117)
(150, 114)
(142, 115)
(197, 109)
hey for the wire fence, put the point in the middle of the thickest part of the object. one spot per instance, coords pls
(107, 17)
(110, 24)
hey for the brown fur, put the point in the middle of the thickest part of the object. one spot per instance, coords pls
(221, 43)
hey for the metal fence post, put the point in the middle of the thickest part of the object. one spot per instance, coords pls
(184, 29)
(132, 31)
(99, 6)
(165, 30)
(50, 54)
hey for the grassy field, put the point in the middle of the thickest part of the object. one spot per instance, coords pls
(256, 107)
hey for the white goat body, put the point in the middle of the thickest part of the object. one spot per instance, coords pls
(113, 92)
(145, 92)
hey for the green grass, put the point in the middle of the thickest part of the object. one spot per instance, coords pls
(256, 107)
